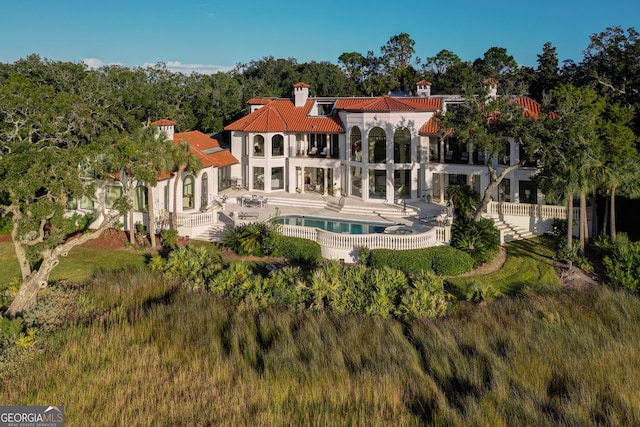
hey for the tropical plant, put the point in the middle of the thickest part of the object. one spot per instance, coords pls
(425, 297)
(192, 266)
(479, 239)
(182, 161)
(256, 238)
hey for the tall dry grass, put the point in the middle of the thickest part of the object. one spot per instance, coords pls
(189, 358)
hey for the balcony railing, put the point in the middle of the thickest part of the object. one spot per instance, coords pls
(530, 210)
(300, 152)
(433, 237)
(197, 219)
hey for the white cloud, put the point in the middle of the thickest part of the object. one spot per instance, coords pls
(177, 66)
(95, 63)
(92, 63)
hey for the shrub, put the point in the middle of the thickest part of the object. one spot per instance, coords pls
(621, 261)
(479, 239)
(299, 250)
(425, 297)
(442, 260)
(6, 224)
(189, 265)
(169, 238)
(257, 238)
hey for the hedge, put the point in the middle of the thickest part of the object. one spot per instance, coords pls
(299, 250)
(442, 260)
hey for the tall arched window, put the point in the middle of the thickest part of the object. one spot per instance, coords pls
(402, 146)
(204, 191)
(377, 146)
(258, 146)
(187, 192)
(140, 201)
(356, 144)
(277, 145)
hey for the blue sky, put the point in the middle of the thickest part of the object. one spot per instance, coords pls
(208, 35)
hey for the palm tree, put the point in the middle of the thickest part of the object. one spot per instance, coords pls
(623, 176)
(183, 161)
(156, 149)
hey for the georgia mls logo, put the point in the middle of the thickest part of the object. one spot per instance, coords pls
(31, 416)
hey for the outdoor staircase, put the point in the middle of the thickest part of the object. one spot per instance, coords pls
(509, 232)
(380, 211)
(212, 234)
(299, 203)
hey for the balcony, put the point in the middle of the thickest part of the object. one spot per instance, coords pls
(313, 152)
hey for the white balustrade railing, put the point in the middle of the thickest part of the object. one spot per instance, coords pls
(197, 219)
(372, 241)
(535, 211)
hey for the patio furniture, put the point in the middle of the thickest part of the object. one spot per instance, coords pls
(253, 201)
(247, 215)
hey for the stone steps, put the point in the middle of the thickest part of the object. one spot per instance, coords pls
(215, 233)
(509, 232)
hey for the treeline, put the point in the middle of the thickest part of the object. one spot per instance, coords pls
(207, 102)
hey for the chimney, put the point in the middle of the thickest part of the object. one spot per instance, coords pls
(423, 89)
(493, 88)
(166, 126)
(301, 92)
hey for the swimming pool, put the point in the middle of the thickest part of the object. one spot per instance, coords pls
(335, 225)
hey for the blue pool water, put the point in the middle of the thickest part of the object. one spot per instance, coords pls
(335, 225)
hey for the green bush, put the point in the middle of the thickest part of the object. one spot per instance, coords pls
(621, 261)
(6, 224)
(441, 260)
(299, 250)
(169, 238)
(480, 239)
(188, 265)
(257, 238)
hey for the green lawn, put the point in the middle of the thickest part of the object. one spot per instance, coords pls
(529, 267)
(78, 267)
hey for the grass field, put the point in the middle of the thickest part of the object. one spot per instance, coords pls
(136, 350)
(81, 263)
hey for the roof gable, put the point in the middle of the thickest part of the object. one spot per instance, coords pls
(389, 103)
(206, 148)
(281, 115)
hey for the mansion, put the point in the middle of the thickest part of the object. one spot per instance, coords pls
(378, 149)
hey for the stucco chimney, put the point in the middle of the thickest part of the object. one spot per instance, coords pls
(423, 89)
(301, 92)
(166, 126)
(492, 85)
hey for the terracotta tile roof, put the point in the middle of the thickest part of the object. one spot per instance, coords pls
(423, 83)
(259, 101)
(281, 115)
(530, 108)
(389, 103)
(430, 127)
(164, 122)
(206, 148)
(301, 84)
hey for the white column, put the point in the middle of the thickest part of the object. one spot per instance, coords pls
(326, 181)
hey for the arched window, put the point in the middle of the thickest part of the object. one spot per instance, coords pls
(187, 192)
(277, 145)
(356, 144)
(204, 191)
(258, 146)
(140, 201)
(377, 146)
(402, 146)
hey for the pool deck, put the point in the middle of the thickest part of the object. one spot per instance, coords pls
(316, 204)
